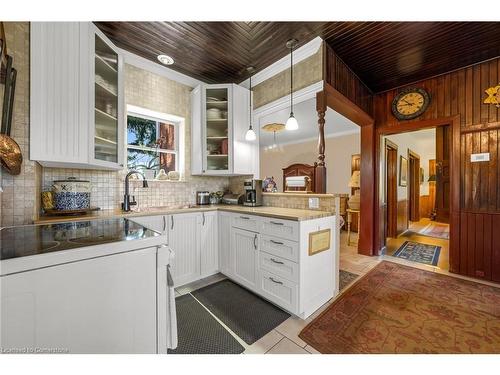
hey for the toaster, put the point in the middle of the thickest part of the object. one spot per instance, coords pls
(202, 198)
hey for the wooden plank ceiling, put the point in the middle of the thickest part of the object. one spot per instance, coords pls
(383, 54)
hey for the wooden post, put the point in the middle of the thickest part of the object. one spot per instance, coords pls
(321, 168)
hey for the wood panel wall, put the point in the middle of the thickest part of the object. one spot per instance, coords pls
(338, 75)
(461, 93)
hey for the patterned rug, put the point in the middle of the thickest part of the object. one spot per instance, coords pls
(346, 278)
(400, 309)
(438, 230)
(419, 252)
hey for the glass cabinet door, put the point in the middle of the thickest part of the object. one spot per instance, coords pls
(217, 129)
(106, 102)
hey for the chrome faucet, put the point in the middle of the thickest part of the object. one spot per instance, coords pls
(126, 198)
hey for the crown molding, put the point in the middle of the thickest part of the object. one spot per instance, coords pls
(150, 66)
(282, 64)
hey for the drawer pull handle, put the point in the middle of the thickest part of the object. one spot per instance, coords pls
(276, 223)
(277, 242)
(276, 261)
(275, 281)
(255, 242)
(172, 222)
(244, 217)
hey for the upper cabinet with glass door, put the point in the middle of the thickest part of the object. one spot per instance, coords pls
(107, 106)
(220, 116)
(77, 97)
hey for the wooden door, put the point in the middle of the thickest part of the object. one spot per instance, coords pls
(413, 186)
(245, 245)
(391, 183)
(443, 174)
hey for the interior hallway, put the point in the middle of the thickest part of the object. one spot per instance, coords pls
(412, 234)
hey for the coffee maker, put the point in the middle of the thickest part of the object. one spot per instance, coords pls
(253, 193)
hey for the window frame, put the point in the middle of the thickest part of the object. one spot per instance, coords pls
(157, 117)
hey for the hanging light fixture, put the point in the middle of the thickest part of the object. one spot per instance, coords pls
(250, 134)
(291, 123)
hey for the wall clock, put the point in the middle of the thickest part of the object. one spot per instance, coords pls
(410, 103)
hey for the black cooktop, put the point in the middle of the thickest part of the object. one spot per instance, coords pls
(16, 242)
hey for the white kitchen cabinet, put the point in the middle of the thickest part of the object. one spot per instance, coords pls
(209, 240)
(184, 240)
(99, 305)
(76, 97)
(220, 120)
(245, 245)
(226, 251)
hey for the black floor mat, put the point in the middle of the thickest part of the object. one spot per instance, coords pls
(199, 332)
(246, 314)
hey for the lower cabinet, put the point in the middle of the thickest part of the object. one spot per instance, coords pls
(194, 239)
(209, 240)
(245, 245)
(98, 305)
(184, 240)
(226, 255)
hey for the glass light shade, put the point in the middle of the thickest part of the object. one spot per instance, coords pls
(250, 135)
(291, 123)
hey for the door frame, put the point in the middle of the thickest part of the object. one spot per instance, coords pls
(413, 178)
(391, 207)
(404, 127)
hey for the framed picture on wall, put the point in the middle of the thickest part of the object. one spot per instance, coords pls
(421, 176)
(403, 171)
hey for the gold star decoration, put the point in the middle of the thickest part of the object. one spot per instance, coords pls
(493, 96)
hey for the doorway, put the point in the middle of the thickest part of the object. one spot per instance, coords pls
(411, 230)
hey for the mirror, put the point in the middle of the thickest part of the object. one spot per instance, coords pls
(295, 150)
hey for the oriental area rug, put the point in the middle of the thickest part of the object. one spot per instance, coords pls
(400, 309)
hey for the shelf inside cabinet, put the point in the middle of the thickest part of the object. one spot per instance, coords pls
(218, 156)
(105, 89)
(105, 140)
(217, 104)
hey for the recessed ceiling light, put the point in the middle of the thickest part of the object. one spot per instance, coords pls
(165, 59)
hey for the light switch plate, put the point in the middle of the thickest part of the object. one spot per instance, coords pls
(476, 158)
(313, 202)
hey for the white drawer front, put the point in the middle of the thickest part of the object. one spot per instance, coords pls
(279, 290)
(246, 222)
(281, 228)
(279, 266)
(280, 247)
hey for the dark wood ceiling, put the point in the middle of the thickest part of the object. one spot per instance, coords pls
(383, 54)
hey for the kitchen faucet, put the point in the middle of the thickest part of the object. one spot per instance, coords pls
(126, 198)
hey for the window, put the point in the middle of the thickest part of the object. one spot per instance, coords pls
(152, 144)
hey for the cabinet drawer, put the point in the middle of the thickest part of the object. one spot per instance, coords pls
(280, 228)
(279, 266)
(246, 222)
(279, 290)
(280, 247)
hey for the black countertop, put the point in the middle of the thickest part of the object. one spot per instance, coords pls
(20, 241)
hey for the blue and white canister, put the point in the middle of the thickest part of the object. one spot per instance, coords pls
(71, 194)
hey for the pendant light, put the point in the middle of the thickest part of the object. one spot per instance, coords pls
(291, 123)
(250, 134)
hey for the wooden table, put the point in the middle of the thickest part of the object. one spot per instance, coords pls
(350, 211)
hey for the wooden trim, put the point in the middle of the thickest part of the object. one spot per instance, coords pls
(454, 122)
(339, 103)
(333, 99)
